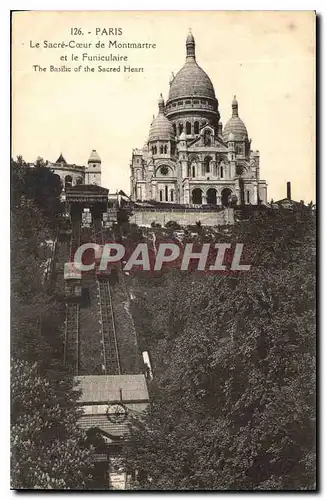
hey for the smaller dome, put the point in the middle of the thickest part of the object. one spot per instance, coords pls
(235, 125)
(94, 157)
(238, 129)
(161, 127)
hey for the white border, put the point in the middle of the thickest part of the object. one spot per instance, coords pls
(318, 5)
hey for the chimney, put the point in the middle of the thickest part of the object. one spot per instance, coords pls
(288, 190)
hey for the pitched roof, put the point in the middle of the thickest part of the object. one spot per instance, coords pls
(104, 388)
(61, 159)
(94, 157)
(102, 423)
(88, 189)
(91, 419)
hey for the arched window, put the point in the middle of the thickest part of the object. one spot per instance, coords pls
(197, 196)
(175, 129)
(68, 181)
(166, 193)
(180, 128)
(207, 164)
(222, 172)
(196, 128)
(248, 196)
(79, 180)
(193, 170)
(172, 195)
(154, 150)
(165, 149)
(161, 195)
(161, 149)
(188, 128)
(211, 196)
(226, 193)
(207, 138)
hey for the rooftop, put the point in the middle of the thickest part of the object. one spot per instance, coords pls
(104, 388)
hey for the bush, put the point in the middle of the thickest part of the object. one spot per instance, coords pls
(173, 225)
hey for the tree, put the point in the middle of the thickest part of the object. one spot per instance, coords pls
(47, 446)
(233, 406)
(35, 204)
(173, 225)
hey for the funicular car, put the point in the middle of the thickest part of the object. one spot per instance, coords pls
(86, 218)
(72, 279)
(106, 223)
(110, 217)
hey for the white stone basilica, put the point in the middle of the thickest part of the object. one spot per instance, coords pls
(189, 157)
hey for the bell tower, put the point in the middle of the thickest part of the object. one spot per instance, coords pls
(93, 169)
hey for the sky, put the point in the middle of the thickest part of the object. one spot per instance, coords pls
(266, 59)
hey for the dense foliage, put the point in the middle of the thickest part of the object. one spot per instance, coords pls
(48, 449)
(232, 402)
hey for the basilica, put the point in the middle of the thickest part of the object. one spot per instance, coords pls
(189, 158)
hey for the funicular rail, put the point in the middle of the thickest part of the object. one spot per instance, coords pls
(71, 335)
(110, 352)
(75, 237)
(71, 341)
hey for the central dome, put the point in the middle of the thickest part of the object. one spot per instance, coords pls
(191, 80)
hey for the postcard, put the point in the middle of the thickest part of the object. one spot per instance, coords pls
(163, 250)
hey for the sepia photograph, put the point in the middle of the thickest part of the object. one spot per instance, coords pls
(163, 251)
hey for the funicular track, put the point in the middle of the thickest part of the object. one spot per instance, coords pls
(71, 345)
(110, 352)
(71, 335)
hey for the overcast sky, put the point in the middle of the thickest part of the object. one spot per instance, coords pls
(266, 59)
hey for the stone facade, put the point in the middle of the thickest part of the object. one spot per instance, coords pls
(189, 158)
(184, 217)
(71, 174)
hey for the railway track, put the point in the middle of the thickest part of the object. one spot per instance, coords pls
(71, 342)
(71, 335)
(110, 352)
(75, 237)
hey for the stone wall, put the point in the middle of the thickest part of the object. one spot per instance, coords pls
(184, 217)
